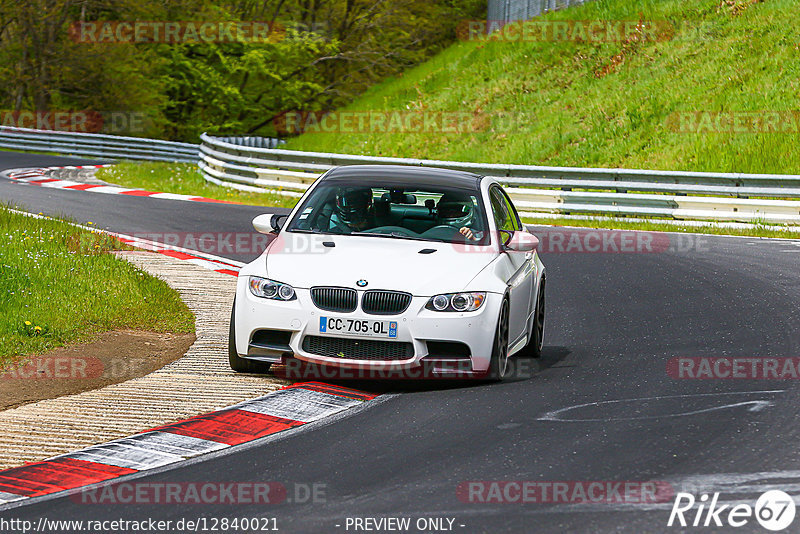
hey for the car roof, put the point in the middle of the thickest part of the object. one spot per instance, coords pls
(406, 176)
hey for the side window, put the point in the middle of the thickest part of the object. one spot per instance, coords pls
(504, 216)
(512, 211)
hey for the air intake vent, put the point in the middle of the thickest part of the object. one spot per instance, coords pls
(379, 302)
(335, 299)
(358, 349)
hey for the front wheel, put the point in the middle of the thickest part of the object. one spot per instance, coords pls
(498, 366)
(239, 364)
(536, 343)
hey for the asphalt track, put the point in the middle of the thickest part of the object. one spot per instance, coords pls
(614, 320)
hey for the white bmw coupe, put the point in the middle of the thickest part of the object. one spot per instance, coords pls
(393, 268)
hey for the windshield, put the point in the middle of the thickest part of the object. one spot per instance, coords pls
(403, 212)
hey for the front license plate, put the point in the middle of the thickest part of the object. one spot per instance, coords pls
(359, 327)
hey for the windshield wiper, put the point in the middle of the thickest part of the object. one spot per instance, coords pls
(395, 235)
(304, 231)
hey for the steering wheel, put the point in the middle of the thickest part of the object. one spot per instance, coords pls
(439, 229)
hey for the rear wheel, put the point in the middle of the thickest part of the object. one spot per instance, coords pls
(498, 366)
(239, 364)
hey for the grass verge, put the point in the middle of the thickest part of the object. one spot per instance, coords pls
(183, 179)
(59, 284)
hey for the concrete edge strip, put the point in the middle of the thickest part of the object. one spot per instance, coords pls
(38, 176)
(293, 406)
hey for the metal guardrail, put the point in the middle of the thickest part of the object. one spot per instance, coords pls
(512, 10)
(96, 145)
(254, 141)
(564, 190)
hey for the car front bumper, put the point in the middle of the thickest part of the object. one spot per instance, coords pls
(418, 326)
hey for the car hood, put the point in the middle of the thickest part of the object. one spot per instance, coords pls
(418, 267)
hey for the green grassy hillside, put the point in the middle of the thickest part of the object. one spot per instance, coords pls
(609, 104)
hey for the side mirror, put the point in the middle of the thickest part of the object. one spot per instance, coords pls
(269, 223)
(277, 221)
(505, 237)
(520, 241)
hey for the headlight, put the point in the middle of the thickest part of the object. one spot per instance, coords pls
(440, 302)
(457, 302)
(270, 289)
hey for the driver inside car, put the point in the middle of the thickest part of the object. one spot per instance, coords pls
(354, 209)
(456, 210)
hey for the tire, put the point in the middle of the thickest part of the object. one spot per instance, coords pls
(536, 343)
(498, 366)
(238, 364)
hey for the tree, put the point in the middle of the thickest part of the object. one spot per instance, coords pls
(328, 52)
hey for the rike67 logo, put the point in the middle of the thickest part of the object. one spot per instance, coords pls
(774, 510)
